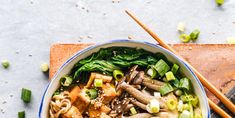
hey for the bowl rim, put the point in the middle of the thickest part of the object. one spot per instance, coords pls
(117, 41)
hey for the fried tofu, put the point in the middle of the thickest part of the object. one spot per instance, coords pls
(82, 101)
(108, 94)
(95, 112)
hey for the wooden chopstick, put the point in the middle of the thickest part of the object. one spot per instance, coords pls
(203, 80)
(218, 110)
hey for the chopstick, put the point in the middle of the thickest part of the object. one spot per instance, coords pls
(203, 80)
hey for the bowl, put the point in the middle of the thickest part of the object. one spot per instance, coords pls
(68, 65)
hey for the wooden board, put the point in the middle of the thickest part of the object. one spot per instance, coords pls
(215, 61)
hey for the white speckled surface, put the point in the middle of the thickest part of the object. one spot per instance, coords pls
(29, 27)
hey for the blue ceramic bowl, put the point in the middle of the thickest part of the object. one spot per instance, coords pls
(68, 65)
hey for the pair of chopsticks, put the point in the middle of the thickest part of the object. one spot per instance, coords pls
(203, 80)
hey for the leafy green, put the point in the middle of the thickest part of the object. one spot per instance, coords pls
(103, 66)
(107, 60)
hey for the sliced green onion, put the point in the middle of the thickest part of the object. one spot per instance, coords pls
(191, 109)
(133, 111)
(181, 27)
(178, 92)
(98, 82)
(152, 72)
(170, 76)
(157, 94)
(26, 95)
(175, 83)
(154, 106)
(180, 106)
(5, 63)
(118, 74)
(184, 38)
(187, 98)
(219, 2)
(174, 68)
(171, 103)
(92, 93)
(231, 40)
(195, 101)
(164, 79)
(185, 114)
(166, 88)
(66, 80)
(161, 67)
(44, 67)
(197, 113)
(194, 35)
(21, 114)
(185, 84)
(186, 107)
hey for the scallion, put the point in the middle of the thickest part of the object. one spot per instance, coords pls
(161, 67)
(175, 68)
(66, 80)
(219, 2)
(170, 76)
(133, 111)
(26, 95)
(157, 94)
(186, 98)
(185, 84)
(5, 63)
(194, 35)
(195, 101)
(166, 88)
(98, 82)
(21, 114)
(152, 72)
(185, 114)
(178, 92)
(171, 103)
(180, 106)
(118, 74)
(181, 27)
(191, 109)
(154, 106)
(44, 67)
(92, 93)
(184, 38)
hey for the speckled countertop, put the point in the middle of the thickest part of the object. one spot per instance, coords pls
(29, 27)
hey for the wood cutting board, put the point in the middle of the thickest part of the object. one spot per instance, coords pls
(215, 61)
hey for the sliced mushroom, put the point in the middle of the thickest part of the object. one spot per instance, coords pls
(140, 115)
(152, 83)
(138, 78)
(137, 86)
(146, 92)
(132, 73)
(118, 106)
(136, 93)
(128, 107)
(139, 104)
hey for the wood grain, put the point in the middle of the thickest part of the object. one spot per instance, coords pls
(215, 61)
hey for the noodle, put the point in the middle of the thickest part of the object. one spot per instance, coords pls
(60, 104)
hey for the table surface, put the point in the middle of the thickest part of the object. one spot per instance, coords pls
(30, 27)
